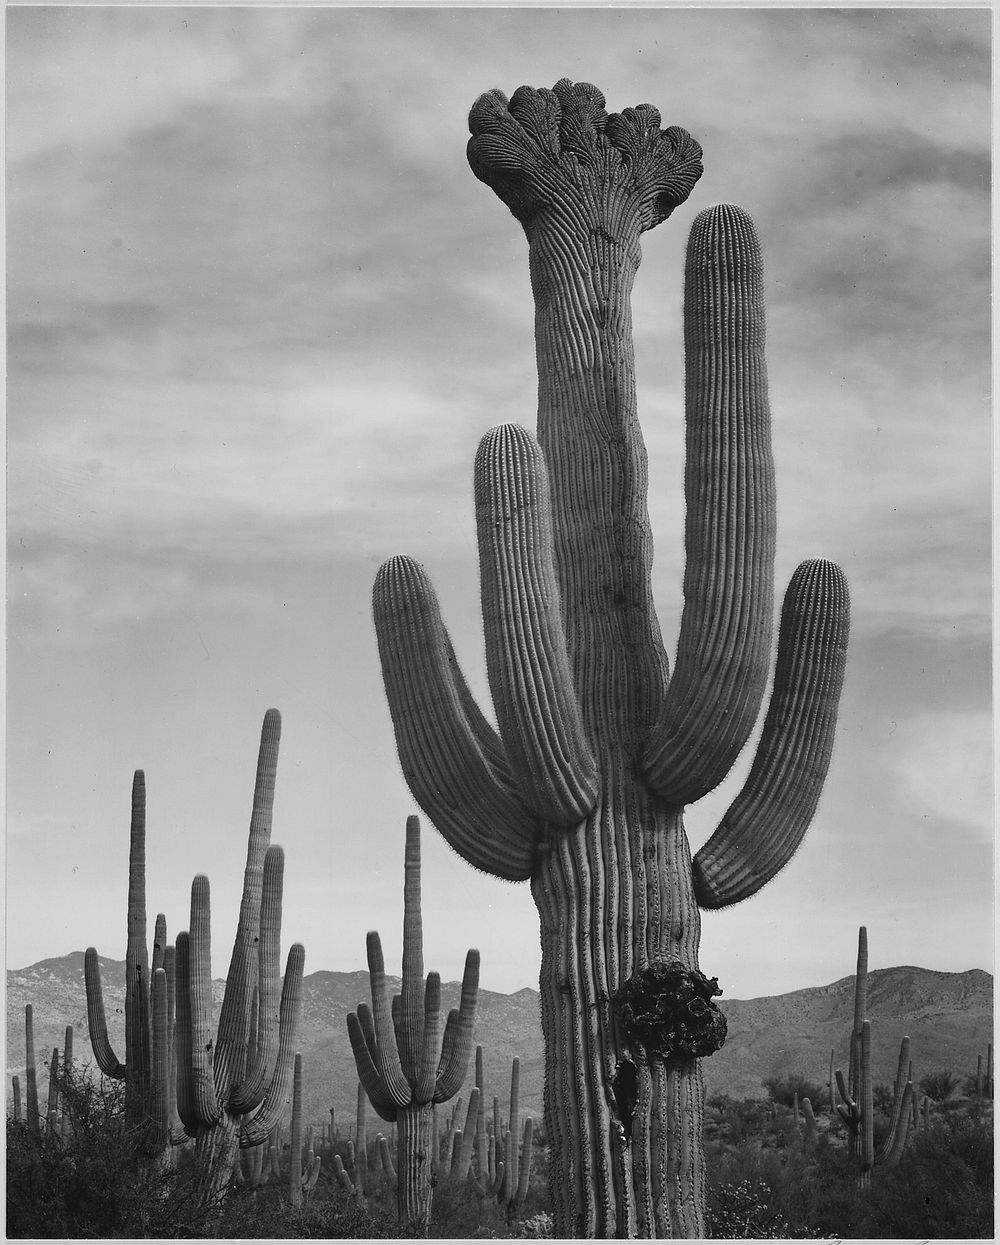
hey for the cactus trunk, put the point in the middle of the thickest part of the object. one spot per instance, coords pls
(415, 1141)
(622, 1166)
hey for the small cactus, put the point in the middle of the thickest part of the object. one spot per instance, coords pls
(857, 1108)
(404, 1062)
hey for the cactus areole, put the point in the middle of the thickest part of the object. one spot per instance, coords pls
(582, 785)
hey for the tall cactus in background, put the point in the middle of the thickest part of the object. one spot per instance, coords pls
(136, 1071)
(30, 1071)
(582, 787)
(232, 1089)
(857, 1108)
(404, 1062)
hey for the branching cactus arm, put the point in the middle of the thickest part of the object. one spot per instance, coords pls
(135, 1070)
(454, 764)
(272, 1108)
(766, 822)
(724, 648)
(107, 1060)
(529, 670)
(234, 1015)
(262, 1053)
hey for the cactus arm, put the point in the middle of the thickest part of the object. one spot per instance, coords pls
(458, 781)
(30, 1070)
(386, 1055)
(137, 1016)
(463, 1154)
(410, 1037)
(295, 1137)
(723, 652)
(205, 1105)
(52, 1102)
(831, 1085)
(892, 1151)
(260, 1066)
(159, 1081)
(766, 822)
(234, 1015)
(513, 1130)
(182, 1033)
(867, 1154)
(259, 1126)
(524, 1174)
(448, 1040)
(901, 1106)
(107, 1060)
(159, 943)
(450, 1078)
(368, 1073)
(809, 1118)
(382, 1141)
(361, 1142)
(860, 1008)
(529, 670)
(170, 968)
(426, 1081)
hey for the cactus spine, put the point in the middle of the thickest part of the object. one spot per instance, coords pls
(582, 787)
(404, 1062)
(232, 1087)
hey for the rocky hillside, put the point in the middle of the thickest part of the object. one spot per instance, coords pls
(949, 1017)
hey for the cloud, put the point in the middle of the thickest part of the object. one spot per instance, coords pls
(943, 771)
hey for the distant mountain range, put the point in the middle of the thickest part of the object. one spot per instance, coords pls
(948, 1016)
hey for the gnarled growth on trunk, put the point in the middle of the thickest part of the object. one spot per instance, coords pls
(582, 785)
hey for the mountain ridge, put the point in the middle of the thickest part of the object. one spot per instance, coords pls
(947, 1015)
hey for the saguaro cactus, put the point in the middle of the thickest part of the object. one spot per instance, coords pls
(136, 1071)
(857, 1108)
(31, 1071)
(404, 1062)
(303, 1169)
(582, 788)
(232, 1088)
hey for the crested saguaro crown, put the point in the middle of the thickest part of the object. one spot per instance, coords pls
(597, 748)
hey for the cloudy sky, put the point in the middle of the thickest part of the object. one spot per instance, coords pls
(260, 313)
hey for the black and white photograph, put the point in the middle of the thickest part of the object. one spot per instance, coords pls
(499, 720)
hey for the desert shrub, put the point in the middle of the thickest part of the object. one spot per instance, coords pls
(100, 1179)
(329, 1212)
(943, 1185)
(730, 1121)
(536, 1227)
(939, 1085)
(783, 1089)
(748, 1211)
(882, 1099)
